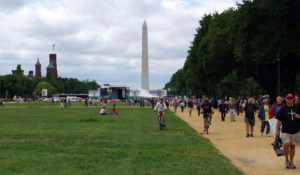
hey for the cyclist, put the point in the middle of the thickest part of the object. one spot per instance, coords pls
(161, 108)
(207, 111)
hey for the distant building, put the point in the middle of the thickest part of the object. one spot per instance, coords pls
(15, 71)
(52, 67)
(38, 70)
(30, 74)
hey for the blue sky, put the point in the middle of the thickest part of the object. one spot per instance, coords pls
(99, 39)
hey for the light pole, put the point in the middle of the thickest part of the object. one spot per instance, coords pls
(278, 74)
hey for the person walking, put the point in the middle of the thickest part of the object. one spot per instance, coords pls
(264, 117)
(199, 107)
(223, 108)
(276, 107)
(249, 109)
(114, 103)
(237, 107)
(273, 113)
(105, 102)
(191, 107)
(232, 107)
(1, 103)
(175, 104)
(86, 102)
(289, 119)
(182, 106)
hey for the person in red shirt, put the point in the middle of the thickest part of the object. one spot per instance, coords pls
(113, 111)
(105, 102)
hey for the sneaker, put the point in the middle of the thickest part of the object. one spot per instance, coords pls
(251, 135)
(248, 135)
(261, 134)
(287, 164)
(268, 135)
(292, 165)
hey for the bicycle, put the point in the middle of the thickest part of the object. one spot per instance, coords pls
(160, 121)
(207, 121)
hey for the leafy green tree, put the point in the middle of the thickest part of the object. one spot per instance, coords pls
(241, 48)
(44, 85)
(19, 70)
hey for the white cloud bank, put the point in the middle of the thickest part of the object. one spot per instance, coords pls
(100, 39)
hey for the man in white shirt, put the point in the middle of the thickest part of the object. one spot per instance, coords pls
(161, 107)
(103, 111)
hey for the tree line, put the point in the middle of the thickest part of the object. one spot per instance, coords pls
(241, 51)
(19, 85)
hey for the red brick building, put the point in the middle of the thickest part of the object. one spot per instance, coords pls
(38, 69)
(52, 67)
(15, 71)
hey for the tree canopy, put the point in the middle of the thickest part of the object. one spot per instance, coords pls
(22, 86)
(241, 48)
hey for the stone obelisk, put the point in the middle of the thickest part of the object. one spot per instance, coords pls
(145, 66)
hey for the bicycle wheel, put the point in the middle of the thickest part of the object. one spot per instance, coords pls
(160, 123)
(206, 125)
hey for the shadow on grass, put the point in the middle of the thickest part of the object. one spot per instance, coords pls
(88, 120)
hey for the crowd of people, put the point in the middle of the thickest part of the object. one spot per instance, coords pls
(283, 115)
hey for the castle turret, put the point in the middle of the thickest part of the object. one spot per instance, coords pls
(38, 70)
(52, 67)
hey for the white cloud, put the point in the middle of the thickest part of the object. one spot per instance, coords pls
(99, 39)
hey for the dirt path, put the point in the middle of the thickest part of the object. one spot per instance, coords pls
(251, 155)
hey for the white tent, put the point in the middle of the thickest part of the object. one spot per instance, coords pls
(145, 93)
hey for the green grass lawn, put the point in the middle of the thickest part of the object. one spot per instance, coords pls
(43, 139)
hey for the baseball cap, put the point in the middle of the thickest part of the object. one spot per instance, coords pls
(289, 96)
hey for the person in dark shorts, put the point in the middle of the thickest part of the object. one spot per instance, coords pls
(207, 110)
(288, 118)
(223, 108)
(198, 107)
(250, 110)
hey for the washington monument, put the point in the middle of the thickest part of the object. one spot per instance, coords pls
(145, 65)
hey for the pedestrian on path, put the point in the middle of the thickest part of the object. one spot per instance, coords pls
(223, 108)
(249, 109)
(289, 118)
(182, 104)
(191, 107)
(175, 104)
(232, 109)
(264, 117)
(199, 107)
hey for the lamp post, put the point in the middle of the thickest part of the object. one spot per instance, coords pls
(278, 74)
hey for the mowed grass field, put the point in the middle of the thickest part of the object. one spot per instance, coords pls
(44, 139)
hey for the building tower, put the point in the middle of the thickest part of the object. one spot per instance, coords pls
(38, 70)
(145, 65)
(30, 74)
(52, 67)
